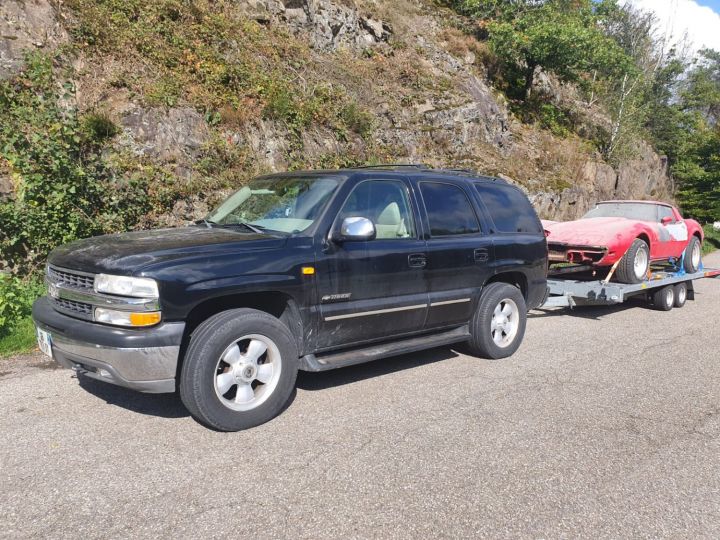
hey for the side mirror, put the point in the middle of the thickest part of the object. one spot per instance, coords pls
(666, 220)
(355, 229)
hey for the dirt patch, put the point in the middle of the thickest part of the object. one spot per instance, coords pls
(49, 365)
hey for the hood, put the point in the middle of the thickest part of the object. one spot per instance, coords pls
(128, 253)
(600, 231)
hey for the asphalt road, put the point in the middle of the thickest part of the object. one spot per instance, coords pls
(606, 423)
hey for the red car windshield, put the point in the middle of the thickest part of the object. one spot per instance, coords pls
(638, 211)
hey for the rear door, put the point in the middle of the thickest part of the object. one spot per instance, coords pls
(459, 253)
(518, 238)
(376, 289)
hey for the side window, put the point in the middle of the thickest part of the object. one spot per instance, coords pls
(449, 210)
(386, 204)
(664, 211)
(509, 209)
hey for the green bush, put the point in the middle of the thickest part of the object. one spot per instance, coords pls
(16, 298)
(64, 189)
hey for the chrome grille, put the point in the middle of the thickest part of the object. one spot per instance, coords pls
(72, 279)
(74, 307)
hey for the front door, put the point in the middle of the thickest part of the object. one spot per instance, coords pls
(376, 289)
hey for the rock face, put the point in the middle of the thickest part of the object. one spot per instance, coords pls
(644, 177)
(167, 135)
(330, 25)
(7, 189)
(646, 174)
(448, 114)
(26, 25)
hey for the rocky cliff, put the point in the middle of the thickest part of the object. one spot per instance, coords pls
(413, 88)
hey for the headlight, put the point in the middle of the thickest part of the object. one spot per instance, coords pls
(127, 318)
(126, 286)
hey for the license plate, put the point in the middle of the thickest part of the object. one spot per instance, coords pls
(45, 342)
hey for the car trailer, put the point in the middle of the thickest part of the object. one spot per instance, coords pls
(664, 289)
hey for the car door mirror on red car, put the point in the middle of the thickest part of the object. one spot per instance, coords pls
(667, 220)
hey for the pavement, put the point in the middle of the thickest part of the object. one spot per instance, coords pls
(606, 423)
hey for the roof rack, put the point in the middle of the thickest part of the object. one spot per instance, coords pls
(394, 166)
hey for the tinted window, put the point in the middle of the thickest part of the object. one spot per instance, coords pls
(509, 209)
(449, 210)
(386, 204)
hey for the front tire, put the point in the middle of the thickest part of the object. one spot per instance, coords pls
(239, 370)
(633, 267)
(693, 254)
(498, 325)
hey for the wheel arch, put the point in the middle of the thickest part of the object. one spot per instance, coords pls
(276, 303)
(645, 237)
(514, 278)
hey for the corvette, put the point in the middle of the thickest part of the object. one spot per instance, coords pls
(629, 235)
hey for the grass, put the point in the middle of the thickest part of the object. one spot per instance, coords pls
(712, 239)
(20, 339)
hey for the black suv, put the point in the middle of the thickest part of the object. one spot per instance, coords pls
(305, 270)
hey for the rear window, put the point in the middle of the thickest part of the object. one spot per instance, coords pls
(509, 209)
(449, 210)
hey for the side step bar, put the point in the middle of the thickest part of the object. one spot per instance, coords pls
(329, 361)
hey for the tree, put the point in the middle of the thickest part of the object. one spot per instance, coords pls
(697, 163)
(562, 37)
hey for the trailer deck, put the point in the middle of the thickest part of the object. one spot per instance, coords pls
(566, 292)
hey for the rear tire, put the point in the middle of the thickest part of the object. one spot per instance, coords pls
(239, 370)
(664, 298)
(498, 325)
(693, 256)
(680, 295)
(634, 265)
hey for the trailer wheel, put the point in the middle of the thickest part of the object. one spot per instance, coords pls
(693, 252)
(664, 298)
(498, 325)
(633, 267)
(680, 295)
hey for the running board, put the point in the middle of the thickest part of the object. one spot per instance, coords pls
(376, 352)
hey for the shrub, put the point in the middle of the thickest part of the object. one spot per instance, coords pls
(16, 298)
(64, 189)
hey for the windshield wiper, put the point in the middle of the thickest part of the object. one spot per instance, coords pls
(257, 229)
(205, 222)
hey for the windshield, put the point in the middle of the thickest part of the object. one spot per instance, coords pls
(282, 204)
(639, 211)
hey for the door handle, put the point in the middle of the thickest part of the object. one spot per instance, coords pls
(481, 255)
(417, 260)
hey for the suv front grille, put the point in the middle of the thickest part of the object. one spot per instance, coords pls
(75, 307)
(72, 279)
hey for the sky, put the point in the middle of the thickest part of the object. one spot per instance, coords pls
(701, 19)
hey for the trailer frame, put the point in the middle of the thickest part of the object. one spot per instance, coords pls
(564, 292)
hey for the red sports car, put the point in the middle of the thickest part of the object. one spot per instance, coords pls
(635, 233)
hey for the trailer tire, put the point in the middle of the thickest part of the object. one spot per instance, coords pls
(663, 299)
(680, 294)
(693, 254)
(498, 324)
(634, 265)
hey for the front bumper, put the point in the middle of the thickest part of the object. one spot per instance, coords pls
(144, 360)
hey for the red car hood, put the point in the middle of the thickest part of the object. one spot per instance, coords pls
(600, 231)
